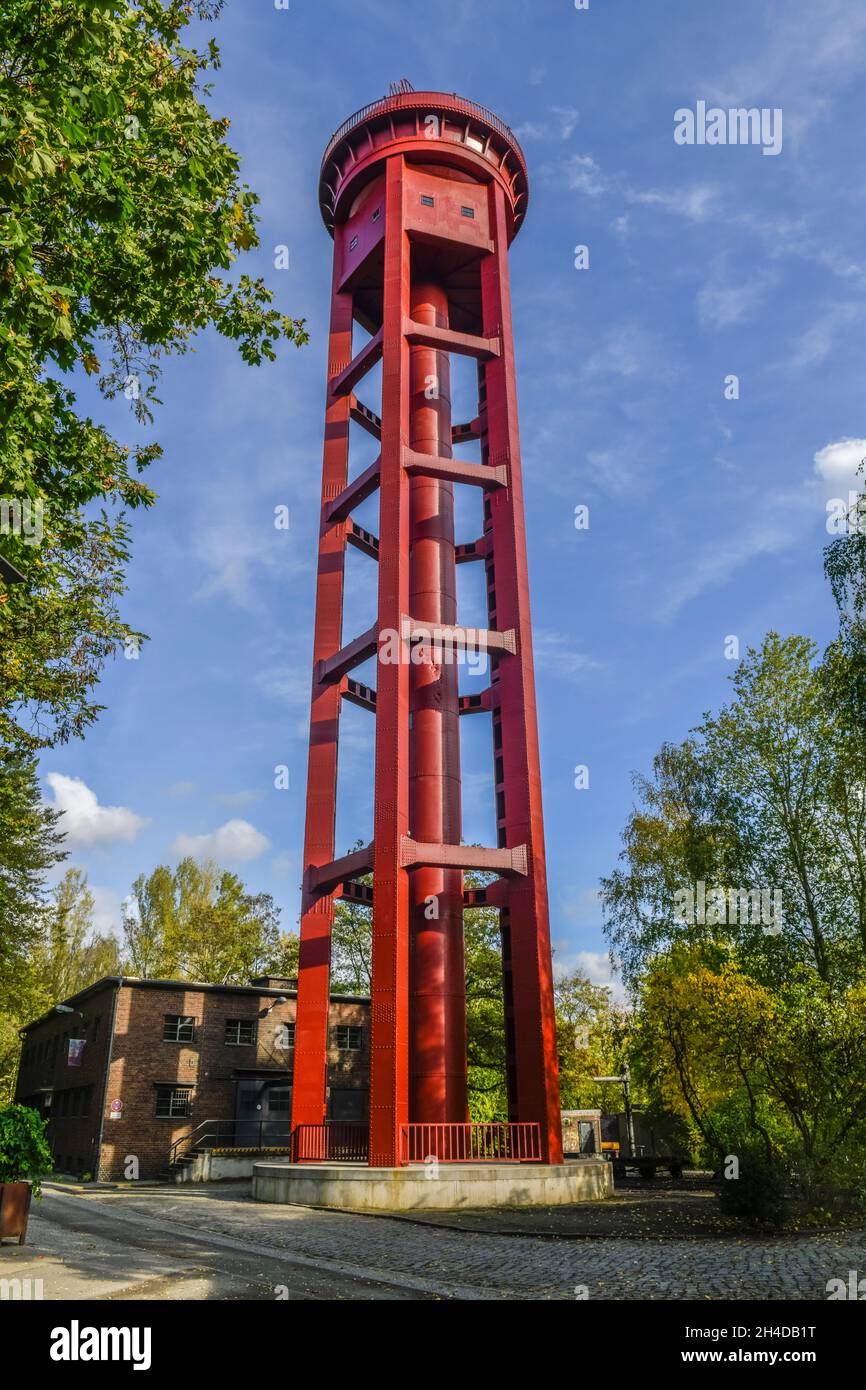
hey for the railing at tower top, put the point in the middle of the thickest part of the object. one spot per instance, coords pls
(398, 102)
(474, 1142)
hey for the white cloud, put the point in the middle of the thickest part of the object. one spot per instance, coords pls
(581, 908)
(594, 964)
(560, 126)
(181, 789)
(838, 463)
(84, 822)
(555, 654)
(107, 910)
(283, 864)
(584, 176)
(242, 798)
(722, 306)
(696, 203)
(815, 345)
(770, 534)
(235, 842)
(805, 64)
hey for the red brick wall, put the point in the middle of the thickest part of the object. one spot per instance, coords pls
(44, 1066)
(141, 1060)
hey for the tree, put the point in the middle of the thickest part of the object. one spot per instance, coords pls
(762, 798)
(30, 844)
(198, 923)
(751, 1027)
(121, 210)
(71, 955)
(352, 947)
(783, 1069)
(591, 1039)
(147, 925)
(282, 959)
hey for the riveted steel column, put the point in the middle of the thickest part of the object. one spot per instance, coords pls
(532, 1030)
(389, 1058)
(309, 1091)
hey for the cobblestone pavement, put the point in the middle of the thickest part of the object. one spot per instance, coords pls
(479, 1265)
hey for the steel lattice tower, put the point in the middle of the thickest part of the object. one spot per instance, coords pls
(423, 193)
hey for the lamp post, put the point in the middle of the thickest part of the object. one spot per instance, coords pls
(625, 1081)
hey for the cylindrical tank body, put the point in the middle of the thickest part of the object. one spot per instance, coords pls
(437, 988)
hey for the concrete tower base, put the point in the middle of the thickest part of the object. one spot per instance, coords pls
(356, 1187)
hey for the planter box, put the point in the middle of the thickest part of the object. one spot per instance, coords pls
(14, 1209)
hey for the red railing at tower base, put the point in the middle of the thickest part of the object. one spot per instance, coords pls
(472, 1143)
(340, 1142)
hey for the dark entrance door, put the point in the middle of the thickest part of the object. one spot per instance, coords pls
(263, 1112)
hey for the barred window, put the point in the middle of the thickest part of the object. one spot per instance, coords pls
(173, 1102)
(349, 1037)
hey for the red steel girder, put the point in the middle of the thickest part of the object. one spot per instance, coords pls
(459, 638)
(358, 490)
(508, 862)
(355, 653)
(366, 418)
(448, 340)
(455, 470)
(464, 434)
(359, 366)
(324, 878)
(472, 550)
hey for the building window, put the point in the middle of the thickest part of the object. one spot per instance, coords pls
(427, 200)
(467, 212)
(178, 1028)
(285, 1037)
(349, 1037)
(376, 215)
(353, 243)
(279, 1100)
(173, 1102)
(96, 1023)
(240, 1031)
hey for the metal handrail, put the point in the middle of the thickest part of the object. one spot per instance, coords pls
(222, 1128)
(404, 100)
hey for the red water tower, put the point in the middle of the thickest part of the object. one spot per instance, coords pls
(423, 194)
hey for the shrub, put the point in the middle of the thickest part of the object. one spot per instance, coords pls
(759, 1194)
(24, 1152)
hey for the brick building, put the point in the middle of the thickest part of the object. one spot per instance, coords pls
(126, 1068)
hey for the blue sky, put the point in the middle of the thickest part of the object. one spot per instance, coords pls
(707, 515)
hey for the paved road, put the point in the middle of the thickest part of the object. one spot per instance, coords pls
(90, 1248)
(216, 1243)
